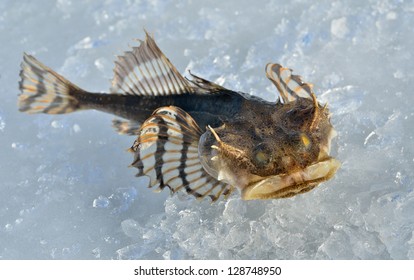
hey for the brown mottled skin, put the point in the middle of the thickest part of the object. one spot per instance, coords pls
(269, 140)
(276, 131)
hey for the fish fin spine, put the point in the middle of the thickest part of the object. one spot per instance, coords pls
(146, 71)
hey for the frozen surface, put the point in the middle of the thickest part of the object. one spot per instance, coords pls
(66, 191)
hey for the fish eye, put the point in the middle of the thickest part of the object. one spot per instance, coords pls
(261, 155)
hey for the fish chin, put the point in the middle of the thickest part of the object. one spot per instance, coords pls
(288, 185)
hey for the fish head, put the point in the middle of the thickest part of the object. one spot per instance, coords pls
(272, 151)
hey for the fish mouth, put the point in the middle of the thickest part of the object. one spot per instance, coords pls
(287, 185)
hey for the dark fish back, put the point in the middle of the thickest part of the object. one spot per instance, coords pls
(206, 109)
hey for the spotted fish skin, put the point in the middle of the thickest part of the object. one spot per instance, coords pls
(196, 136)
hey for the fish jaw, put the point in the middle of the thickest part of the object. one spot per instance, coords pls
(288, 185)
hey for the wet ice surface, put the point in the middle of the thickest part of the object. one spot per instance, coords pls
(67, 192)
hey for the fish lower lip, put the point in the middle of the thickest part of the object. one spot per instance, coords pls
(291, 184)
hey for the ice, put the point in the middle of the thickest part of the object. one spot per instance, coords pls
(2, 124)
(67, 191)
(339, 27)
(101, 202)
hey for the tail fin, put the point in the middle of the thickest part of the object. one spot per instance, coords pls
(45, 91)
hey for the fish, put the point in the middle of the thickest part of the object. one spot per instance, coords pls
(198, 137)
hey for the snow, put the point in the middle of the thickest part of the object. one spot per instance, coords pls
(67, 192)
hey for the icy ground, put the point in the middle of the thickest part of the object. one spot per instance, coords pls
(66, 191)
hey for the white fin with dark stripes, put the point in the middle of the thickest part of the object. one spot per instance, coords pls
(45, 91)
(147, 71)
(167, 152)
(289, 86)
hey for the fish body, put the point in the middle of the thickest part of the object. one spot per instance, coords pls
(197, 136)
(205, 109)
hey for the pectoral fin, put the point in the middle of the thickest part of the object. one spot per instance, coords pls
(290, 86)
(167, 152)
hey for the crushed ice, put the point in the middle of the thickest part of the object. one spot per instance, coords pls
(67, 191)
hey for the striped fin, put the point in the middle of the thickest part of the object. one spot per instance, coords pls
(167, 152)
(45, 91)
(147, 71)
(290, 86)
(204, 86)
(126, 127)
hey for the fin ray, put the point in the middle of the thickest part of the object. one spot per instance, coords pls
(45, 91)
(203, 85)
(145, 70)
(166, 151)
(126, 127)
(290, 87)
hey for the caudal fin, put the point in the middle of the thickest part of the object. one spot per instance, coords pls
(45, 91)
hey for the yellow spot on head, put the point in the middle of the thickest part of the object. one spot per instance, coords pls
(305, 140)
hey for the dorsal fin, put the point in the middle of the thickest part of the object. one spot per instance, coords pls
(203, 85)
(147, 71)
(290, 86)
(167, 152)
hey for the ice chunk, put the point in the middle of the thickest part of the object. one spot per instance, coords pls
(101, 202)
(76, 128)
(234, 210)
(131, 228)
(339, 27)
(102, 64)
(122, 199)
(2, 124)
(96, 253)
